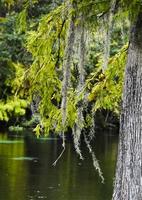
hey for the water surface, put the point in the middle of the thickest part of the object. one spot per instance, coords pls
(26, 171)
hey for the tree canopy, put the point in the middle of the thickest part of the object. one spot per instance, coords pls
(67, 58)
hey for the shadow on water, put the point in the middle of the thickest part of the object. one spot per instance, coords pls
(27, 172)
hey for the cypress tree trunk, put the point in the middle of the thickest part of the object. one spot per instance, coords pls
(128, 183)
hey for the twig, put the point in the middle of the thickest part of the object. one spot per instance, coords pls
(54, 164)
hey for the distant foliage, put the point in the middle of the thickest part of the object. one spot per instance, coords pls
(32, 53)
(13, 107)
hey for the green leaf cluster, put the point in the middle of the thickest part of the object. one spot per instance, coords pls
(106, 88)
(13, 107)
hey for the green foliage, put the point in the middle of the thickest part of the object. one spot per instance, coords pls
(16, 129)
(13, 107)
(106, 88)
(28, 123)
(37, 130)
(22, 21)
(46, 45)
(72, 110)
(8, 2)
(39, 28)
(13, 57)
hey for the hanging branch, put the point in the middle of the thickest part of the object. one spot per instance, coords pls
(67, 68)
(59, 45)
(108, 33)
(77, 129)
(53, 4)
(94, 159)
(92, 128)
(66, 73)
(69, 6)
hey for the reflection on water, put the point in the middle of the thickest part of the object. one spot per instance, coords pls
(26, 171)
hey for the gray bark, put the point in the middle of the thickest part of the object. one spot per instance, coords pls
(128, 183)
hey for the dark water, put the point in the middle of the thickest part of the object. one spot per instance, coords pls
(26, 171)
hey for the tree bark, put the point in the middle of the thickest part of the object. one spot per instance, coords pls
(128, 182)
